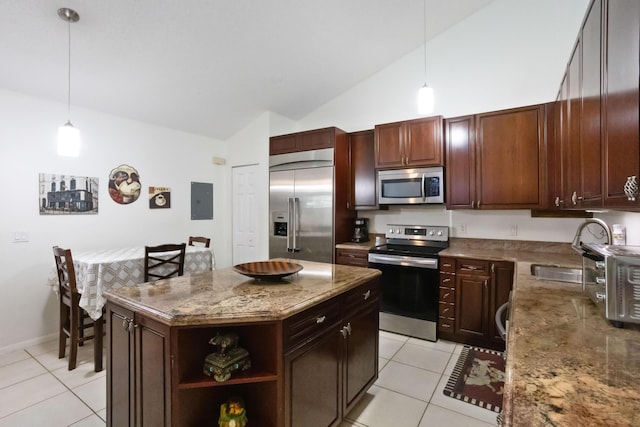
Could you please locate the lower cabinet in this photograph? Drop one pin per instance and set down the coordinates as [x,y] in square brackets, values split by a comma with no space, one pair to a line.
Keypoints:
[327,369]
[471,290]
[306,370]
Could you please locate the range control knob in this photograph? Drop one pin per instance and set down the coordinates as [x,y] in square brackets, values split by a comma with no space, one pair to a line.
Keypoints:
[440,233]
[398,231]
[391,231]
[432,233]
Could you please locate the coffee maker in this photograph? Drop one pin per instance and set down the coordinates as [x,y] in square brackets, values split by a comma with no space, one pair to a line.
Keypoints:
[360,230]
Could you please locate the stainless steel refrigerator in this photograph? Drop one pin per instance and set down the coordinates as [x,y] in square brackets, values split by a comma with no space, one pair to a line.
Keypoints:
[301,205]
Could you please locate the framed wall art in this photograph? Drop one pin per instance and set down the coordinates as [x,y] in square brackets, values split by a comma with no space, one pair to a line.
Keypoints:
[67,194]
[159,197]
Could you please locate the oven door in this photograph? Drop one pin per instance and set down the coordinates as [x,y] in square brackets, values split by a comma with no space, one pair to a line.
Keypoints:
[409,302]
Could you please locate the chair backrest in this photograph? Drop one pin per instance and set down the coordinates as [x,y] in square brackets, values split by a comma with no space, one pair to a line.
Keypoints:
[66,272]
[163,261]
[197,239]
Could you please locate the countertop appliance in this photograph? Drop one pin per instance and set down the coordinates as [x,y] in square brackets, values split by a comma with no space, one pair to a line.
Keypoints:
[301,205]
[411,186]
[410,278]
[611,279]
[360,230]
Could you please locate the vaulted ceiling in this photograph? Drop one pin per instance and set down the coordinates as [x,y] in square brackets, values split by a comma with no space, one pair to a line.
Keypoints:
[210,67]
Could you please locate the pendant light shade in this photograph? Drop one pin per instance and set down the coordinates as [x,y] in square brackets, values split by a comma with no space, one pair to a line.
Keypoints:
[425,100]
[68,136]
[425,93]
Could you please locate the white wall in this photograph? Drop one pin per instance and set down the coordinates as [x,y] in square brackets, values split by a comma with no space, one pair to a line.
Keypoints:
[511,53]
[162,156]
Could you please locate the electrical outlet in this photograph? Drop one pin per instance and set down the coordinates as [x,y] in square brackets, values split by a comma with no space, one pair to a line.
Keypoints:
[463,228]
[514,230]
[20,237]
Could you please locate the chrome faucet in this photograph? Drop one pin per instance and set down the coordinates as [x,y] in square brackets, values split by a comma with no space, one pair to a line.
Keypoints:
[576,240]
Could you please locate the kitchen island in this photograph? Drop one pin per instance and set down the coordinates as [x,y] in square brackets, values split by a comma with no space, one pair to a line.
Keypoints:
[312,339]
[566,365]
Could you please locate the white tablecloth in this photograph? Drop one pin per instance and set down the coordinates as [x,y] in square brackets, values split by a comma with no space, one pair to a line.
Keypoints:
[98,271]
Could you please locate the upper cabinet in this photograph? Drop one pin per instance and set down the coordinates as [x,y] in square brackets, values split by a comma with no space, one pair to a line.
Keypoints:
[497,160]
[303,141]
[597,151]
[412,143]
[621,161]
[363,173]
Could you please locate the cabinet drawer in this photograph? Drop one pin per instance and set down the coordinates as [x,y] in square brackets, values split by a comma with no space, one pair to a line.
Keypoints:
[447,265]
[447,281]
[361,297]
[472,266]
[446,310]
[306,325]
[445,324]
[356,257]
[447,295]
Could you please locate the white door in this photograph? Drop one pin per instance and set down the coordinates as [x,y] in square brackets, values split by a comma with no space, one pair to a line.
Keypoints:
[246,213]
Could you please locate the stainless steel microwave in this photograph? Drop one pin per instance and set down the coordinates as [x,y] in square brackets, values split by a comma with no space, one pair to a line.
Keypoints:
[411,186]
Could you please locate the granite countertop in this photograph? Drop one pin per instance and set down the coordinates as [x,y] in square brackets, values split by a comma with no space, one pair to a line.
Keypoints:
[566,365]
[224,296]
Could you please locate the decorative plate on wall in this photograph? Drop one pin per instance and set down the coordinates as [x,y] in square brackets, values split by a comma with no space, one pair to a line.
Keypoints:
[124,184]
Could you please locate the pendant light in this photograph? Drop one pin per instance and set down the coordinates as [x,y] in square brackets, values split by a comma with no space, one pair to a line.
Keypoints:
[68,136]
[425,94]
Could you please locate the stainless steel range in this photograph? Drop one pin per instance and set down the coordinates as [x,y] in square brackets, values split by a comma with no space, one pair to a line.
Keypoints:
[409,263]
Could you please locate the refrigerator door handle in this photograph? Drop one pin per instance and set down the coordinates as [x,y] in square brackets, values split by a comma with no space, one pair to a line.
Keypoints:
[296,220]
[290,227]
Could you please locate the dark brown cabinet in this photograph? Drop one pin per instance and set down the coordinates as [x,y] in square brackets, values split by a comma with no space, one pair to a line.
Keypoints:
[331,358]
[354,257]
[138,377]
[471,290]
[620,104]
[497,160]
[413,143]
[363,172]
[303,141]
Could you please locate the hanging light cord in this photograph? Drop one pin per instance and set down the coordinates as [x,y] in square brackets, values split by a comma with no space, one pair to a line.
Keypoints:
[424,15]
[69,72]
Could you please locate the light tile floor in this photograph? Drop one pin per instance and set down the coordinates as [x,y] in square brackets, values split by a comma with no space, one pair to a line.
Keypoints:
[37,389]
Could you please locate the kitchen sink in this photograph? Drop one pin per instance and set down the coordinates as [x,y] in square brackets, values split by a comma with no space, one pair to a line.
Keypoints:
[554,272]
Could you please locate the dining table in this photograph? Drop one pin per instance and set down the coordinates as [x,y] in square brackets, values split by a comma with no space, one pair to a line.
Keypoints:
[100,270]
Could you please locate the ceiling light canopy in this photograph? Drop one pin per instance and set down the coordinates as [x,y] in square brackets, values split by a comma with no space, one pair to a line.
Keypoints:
[68,135]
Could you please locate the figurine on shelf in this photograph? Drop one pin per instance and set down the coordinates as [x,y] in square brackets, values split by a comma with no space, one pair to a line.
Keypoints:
[227,359]
[232,413]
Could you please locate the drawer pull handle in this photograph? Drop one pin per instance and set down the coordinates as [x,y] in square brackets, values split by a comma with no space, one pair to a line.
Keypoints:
[367,294]
[446,265]
[446,280]
[445,296]
[445,310]
[351,255]
[321,319]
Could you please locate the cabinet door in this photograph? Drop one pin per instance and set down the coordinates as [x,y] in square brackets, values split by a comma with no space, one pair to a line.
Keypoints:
[120,368]
[423,145]
[472,297]
[461,163]
[571,151]
[501,284]
[361,360]
[313,382]
[621,146]
[590,135]
[316,139]
[363,172]
[153,373]
[283,144]
[511,158]
[389,145]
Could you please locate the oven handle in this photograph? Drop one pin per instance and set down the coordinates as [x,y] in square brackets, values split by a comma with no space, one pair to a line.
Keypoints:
[404,261]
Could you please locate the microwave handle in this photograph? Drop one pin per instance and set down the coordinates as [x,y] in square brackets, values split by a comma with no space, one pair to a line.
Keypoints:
[422,189]
[592,256]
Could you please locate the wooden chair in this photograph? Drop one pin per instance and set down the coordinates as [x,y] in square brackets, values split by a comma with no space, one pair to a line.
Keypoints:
[204,240]
[163,261]
[73,319]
